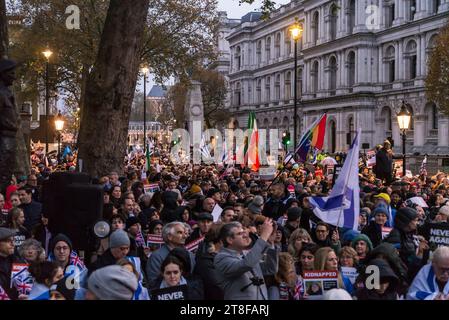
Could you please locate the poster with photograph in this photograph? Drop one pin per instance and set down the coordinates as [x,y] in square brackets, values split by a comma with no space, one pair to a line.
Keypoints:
[316,283]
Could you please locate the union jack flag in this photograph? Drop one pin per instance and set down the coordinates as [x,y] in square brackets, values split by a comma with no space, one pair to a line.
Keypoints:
[140,241]
[76,261]
[3,294]
[24,284]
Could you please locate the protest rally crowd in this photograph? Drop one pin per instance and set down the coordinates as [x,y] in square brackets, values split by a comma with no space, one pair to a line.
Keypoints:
[214,232]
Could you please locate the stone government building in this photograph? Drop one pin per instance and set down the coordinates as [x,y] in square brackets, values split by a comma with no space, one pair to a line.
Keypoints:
[356,72]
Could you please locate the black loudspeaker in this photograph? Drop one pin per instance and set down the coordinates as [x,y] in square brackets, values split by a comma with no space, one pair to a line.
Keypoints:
[72,206]
[365,145]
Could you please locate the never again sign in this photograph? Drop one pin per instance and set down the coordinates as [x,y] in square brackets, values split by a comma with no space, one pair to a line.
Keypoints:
[171,293]
[439,235]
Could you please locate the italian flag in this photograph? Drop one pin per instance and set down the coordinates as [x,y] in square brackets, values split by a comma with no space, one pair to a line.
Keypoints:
[252,148]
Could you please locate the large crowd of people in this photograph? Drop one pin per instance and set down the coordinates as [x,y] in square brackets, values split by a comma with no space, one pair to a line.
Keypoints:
[219,232]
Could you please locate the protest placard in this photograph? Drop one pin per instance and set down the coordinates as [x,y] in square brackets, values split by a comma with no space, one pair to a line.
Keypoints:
[193,246]
[419,201]
[17,270]
[217,212]
[155,241]
[350,273]
[438,235]
[316,283]
[151,188]
[268,173]
[385,232]
[171,293]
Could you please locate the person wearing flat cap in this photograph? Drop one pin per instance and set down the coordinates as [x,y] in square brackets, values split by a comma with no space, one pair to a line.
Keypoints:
[6,260]
[8,122]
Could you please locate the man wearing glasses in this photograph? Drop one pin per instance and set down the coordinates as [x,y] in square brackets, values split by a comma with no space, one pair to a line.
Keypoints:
[432,281]
[7,260]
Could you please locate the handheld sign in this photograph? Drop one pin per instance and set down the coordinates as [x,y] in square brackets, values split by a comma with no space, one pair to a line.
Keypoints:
[438,235]
[267,174]
[155,241]
[171,293]
[217,212]
[152,187]
[385,232]
[316,283]
[350,273]
[193,246]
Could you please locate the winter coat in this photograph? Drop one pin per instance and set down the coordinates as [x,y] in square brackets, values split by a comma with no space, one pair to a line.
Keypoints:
[385,272]
[274,208]
[205,269]
[170,201]
[32,212]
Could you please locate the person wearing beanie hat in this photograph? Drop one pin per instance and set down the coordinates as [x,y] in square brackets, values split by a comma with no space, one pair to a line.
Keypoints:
[111,283]
[60,291]
[60,250]
[119,245]
[293,220]
[388,289]
[362,245]
[256,205]
[403,237]
[375,229]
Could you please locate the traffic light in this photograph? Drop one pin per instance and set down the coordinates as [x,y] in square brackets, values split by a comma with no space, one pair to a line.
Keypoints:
[286,138]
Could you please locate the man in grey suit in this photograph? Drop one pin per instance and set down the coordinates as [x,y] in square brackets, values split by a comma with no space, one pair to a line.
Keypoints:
[241,276]
[174,236]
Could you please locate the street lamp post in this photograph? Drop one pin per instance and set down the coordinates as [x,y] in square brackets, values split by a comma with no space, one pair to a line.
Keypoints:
[47,54]
[59,126]
[404,118]
[296,32]
[145,72]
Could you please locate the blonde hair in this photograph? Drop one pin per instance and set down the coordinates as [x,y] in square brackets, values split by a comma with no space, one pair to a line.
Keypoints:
[298,233]
[320,262]
[350,252]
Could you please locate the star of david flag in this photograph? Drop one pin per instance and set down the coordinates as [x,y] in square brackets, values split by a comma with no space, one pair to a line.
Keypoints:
[342,207]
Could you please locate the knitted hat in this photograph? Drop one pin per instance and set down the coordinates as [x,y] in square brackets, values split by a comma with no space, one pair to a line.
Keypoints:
[60,237]
[195,189]
[380,209]
[404,216]
[362,237]
[112,283]
[256,205]
[349,235]
[294,214]
[131,221]
[118,238]
[444,210]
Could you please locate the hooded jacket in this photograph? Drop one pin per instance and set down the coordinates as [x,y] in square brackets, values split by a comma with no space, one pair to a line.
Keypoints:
[170,201]
[385,274]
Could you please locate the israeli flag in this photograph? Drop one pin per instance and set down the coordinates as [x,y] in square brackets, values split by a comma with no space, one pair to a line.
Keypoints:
[342,207]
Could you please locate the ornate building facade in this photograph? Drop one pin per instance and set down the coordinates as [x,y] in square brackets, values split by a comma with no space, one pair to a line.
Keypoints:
[357,61]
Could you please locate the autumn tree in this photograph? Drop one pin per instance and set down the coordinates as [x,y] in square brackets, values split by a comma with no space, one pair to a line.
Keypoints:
[437,81]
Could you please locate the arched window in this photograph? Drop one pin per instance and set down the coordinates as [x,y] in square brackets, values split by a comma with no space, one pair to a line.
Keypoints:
[431,111]
[285,123]
[267,89]
[390,64]
[332,75]
[238,58]
[288,85]
[277,88]
[288,43]
[430,46]
[351,17]
[259,90]
[351,69]
[268,49]
[266,124]
[411,58]
[386,113]
[390,14]
[350,129]
[314,77]
[277,45]
[315,27]
[259,52]
[333,17]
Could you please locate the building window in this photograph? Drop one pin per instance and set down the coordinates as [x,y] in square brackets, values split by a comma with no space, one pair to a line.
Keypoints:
[351,17]
[390,15]
[288,43]
[277,46]
[238,94]
[315,27]
[314,77]
[259,52]
[267,89]
[237,58]
[250,94]
[333,17]
[350,129]
[277,88]
[412,9]
[299,82]
[288,85]
[435,4]
[411,58]
[332,75]
[351,69]
[268,49]
[259,90]
[390,64]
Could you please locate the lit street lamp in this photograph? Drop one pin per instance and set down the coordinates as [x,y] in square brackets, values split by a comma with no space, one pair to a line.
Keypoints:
[59,126]
[296,32]
[404,118]
[145,71]
[47,54]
